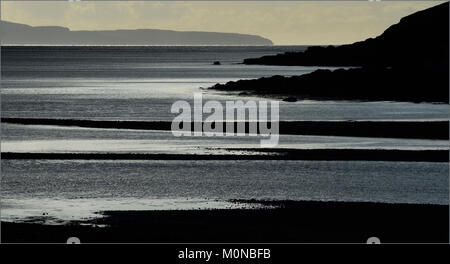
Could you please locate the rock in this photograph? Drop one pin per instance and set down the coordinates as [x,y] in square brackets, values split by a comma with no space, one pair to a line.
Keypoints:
[367,84]
[290,99]
[409,61]
[418,40]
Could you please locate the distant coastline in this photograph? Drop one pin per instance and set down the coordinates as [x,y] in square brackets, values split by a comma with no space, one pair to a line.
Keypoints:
[20,34]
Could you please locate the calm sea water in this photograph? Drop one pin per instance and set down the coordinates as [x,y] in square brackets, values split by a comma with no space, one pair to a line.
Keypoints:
[75,189]
[141,83]
[21,138]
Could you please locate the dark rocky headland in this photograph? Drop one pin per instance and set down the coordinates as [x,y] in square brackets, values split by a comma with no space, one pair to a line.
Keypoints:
[408,62]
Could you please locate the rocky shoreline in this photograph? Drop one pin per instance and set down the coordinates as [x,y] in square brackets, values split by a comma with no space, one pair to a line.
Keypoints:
[408,62]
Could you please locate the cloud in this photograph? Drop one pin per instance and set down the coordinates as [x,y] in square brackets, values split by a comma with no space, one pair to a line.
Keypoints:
[282,22]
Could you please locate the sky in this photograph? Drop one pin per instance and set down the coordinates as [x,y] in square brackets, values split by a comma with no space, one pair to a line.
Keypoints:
[285,23]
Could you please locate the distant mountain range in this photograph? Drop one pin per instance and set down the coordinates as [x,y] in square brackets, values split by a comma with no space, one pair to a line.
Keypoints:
[15,33]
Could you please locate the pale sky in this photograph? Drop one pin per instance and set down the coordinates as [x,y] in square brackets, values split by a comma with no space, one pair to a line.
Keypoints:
[285,23]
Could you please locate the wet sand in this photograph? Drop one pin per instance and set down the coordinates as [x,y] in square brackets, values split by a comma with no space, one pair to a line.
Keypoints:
[254,154]
[388,129]
[278,221]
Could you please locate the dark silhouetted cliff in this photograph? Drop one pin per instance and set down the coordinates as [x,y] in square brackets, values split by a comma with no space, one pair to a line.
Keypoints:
[352,84]
[408,62]
[420,39]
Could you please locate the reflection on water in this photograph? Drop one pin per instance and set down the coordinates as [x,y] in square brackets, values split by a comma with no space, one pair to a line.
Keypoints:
[202,145]
[141,83]
[391,182]
[59,211]
[26,138]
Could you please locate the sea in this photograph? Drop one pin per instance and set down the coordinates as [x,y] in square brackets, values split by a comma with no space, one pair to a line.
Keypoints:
[141,83]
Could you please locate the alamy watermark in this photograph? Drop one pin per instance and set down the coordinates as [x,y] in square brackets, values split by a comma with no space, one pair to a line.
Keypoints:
[236,118]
